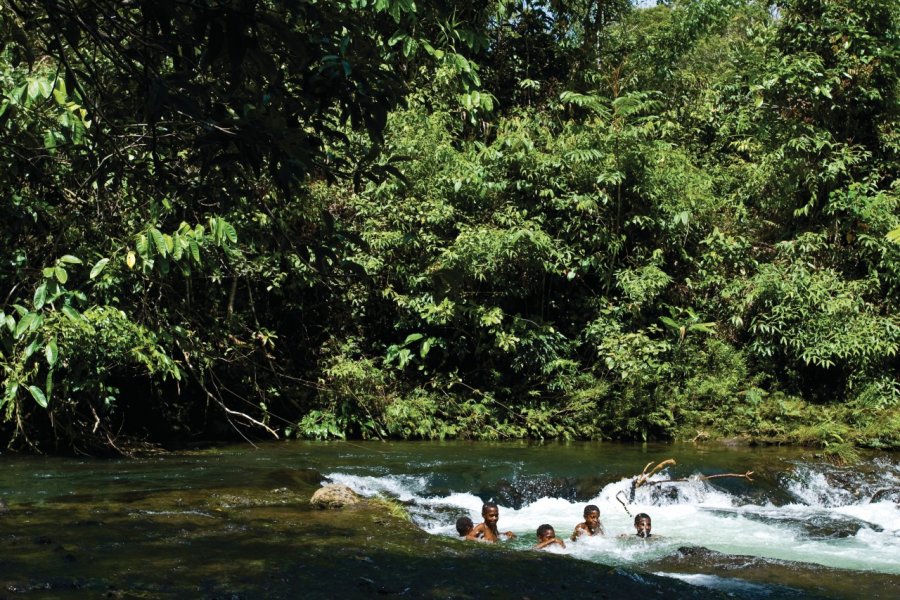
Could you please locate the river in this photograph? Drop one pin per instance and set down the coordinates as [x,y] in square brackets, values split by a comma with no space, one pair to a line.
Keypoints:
[169,525]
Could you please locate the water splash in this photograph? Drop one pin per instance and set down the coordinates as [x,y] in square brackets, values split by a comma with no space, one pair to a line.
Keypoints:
[830,519]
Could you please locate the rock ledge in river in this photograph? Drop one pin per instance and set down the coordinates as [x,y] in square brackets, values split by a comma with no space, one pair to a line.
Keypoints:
[334,495]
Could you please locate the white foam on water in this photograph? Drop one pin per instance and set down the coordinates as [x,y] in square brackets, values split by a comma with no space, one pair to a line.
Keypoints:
[715,582]
[857,534]
[402,487]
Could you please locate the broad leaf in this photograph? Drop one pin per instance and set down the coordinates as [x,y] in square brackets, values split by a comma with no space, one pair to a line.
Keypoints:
[40,296]
[51,352]
[38,395]
[24,323]
[98,268]
[159,241]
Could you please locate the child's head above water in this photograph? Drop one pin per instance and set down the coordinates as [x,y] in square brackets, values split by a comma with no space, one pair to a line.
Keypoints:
[490,512]
[642,525]
[592,516]
[545,532]
[464,525]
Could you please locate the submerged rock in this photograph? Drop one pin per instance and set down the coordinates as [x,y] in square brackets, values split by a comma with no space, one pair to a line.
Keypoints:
[335,495]
[882,495]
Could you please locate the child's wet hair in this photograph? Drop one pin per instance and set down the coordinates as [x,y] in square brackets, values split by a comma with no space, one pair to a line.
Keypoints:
[591,508]
[488,505]
[639,516]
[464,525]
[546,527]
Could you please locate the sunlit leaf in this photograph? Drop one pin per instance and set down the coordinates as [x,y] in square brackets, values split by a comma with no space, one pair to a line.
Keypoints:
[40,296]
[24,323]
[98,268]
[51,352]
[159,241]
[38,395]
[72,313]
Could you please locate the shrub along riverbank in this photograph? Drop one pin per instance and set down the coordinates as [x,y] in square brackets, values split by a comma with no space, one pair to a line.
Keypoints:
[379,219]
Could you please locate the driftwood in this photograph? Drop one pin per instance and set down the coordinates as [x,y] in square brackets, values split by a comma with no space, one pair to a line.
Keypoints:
[644,478]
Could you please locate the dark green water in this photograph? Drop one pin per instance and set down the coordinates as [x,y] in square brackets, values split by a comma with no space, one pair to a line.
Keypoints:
[234,522]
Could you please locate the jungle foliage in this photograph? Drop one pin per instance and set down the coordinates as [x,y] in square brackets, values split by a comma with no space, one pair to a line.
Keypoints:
[379,218]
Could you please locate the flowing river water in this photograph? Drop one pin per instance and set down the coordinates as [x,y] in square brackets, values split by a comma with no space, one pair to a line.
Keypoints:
[234,521]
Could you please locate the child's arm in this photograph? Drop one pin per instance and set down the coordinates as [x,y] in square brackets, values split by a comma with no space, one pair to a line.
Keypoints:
[546,543]
[578,531]
[510,535]
[476,533]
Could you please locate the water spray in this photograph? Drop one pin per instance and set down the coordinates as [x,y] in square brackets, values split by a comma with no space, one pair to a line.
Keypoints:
[644,478]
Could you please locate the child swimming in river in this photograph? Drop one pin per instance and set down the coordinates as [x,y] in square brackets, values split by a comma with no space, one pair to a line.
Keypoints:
[642,527]
[591,524]
[464,525]
[546,536]
[487,531]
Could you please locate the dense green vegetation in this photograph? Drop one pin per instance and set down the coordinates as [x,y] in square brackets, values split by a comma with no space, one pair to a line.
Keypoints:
[375,218]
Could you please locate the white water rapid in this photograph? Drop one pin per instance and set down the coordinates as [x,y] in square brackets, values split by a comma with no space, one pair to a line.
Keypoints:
[854,524]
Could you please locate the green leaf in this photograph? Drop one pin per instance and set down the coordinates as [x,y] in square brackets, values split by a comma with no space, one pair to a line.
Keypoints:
[195,251]
[59,93]
[72,260]
[159,241]
[893,235]
[179,244]
[143,247]
[40,296]
[10,394]
[49,141]
[98,268]
[33,89]
[671,323]
[45,86]
[51,352]
[48,272]
[61,275]
[230,232]
[72,313]
[24,323]
[170,243]
[413,337]
[36,322]
[38,395]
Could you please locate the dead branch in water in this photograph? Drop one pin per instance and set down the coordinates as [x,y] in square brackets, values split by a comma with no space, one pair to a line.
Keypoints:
[644,478]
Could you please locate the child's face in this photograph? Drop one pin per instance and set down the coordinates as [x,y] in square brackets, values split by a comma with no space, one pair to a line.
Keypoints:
[547,535]
[643,527]
[491,515]
[592,519]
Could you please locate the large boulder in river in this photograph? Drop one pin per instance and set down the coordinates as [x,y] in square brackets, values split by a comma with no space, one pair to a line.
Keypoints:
[334,495]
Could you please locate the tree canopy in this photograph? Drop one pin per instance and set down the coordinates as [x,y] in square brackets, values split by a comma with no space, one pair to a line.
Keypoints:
[381,218]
